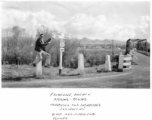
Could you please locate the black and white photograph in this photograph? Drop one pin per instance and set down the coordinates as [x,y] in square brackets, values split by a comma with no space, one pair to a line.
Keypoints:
[75,60]
[80,44]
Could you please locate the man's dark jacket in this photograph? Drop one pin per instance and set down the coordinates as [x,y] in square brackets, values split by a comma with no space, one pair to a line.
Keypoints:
[40,45]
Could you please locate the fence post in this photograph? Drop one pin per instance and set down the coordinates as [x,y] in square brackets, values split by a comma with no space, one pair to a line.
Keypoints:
[121,59]
[108,63]
[80,62]
[38,66]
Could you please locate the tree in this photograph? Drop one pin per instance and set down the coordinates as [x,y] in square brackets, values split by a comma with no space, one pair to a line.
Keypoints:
[15,45]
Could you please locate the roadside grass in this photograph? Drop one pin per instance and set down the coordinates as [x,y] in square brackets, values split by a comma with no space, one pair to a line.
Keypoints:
[102,52]
[143,52]
[27,73]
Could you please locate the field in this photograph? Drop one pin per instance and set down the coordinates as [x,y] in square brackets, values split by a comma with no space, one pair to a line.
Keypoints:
[104,51]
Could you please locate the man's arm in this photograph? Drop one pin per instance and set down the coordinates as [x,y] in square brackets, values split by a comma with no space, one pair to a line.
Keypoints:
[44,44]
[49,40]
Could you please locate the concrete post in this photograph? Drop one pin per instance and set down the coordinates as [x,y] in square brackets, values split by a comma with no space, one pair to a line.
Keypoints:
[81,62]
[38,67]
[121,59]
[108,63]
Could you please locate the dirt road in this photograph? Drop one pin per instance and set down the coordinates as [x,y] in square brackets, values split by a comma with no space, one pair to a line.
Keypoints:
[139,77]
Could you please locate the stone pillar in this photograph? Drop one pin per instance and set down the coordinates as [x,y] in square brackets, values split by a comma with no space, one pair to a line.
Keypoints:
[107,63]
[38,67]
[81,62]
[121,60]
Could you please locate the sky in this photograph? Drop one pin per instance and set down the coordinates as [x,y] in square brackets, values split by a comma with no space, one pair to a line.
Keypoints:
[94,20]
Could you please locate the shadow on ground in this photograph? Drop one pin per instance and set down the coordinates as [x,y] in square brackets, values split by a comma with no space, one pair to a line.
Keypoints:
[18,78]
[70,74]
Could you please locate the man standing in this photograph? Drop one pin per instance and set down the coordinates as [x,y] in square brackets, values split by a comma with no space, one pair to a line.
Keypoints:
[40,48]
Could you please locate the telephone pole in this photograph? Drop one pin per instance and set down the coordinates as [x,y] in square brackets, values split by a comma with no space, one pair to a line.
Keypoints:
[112,48]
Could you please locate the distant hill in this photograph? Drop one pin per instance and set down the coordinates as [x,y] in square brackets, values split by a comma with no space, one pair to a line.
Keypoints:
[85,41]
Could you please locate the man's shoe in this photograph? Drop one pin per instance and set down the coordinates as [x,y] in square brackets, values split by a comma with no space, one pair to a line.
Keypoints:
[47,66]
[34,64]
